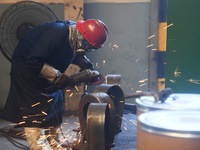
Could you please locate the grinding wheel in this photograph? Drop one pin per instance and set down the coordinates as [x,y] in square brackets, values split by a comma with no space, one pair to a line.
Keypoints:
[18,19]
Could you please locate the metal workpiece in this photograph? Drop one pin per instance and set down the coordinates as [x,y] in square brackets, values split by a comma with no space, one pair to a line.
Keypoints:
[99,97]
[97,129]
[114,79]
[117,95]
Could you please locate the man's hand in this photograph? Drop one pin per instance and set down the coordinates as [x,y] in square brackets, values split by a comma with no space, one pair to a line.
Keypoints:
[90,77]
[60,82]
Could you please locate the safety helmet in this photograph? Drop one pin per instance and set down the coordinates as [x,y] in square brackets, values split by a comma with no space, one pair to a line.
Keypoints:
[94,31]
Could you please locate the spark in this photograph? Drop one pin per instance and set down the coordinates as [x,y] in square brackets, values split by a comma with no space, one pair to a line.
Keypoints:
[194,81]
[71,95]
[35,121]
[146,71]
[44,113]
[66,123]
[150,45]
[86,87]
[151,36]
[154,49]
[133,121]
[104,61]
[47,129]
[143,84]
[76,123]
[138,91]
[173,81]
[35,115]
[168,26]
[144,80]
[97,65]
[113,46]
[76,88]
[23,122]
[21,133]
[177,72]
[109,105]
[43,137]
[50,100]
[35,104]
[125,128]
[68,90]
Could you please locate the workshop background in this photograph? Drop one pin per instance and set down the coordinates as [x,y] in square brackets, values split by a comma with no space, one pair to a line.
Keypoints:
[152,45]
[147,55]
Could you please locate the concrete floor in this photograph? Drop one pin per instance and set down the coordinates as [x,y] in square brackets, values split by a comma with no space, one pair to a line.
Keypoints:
[125,140]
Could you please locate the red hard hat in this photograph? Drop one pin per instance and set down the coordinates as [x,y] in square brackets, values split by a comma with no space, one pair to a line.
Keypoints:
[94,31]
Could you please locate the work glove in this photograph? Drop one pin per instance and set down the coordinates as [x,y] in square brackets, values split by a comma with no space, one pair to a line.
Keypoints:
[60,82]
[86,76]
[82,61]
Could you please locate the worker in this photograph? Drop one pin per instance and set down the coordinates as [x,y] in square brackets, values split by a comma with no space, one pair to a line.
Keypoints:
[39,62]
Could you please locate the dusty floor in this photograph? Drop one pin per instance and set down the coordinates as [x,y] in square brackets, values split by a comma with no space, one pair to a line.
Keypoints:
[125,140]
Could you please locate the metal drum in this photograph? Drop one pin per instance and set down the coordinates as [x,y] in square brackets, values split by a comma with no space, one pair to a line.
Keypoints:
[168,130]
[176,101]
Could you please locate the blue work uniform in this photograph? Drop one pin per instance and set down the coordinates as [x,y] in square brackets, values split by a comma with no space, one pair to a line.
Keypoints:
[29,104]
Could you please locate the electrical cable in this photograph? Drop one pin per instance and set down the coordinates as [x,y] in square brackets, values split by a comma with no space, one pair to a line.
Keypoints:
[14,142]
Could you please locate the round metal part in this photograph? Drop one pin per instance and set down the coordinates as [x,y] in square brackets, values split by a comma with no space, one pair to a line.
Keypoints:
[18,19]
[97,98]
[165,129]
[114,79]
[97,130]
[117,96]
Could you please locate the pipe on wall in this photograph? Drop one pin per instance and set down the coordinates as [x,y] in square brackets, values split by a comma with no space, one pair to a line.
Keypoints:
[162,42]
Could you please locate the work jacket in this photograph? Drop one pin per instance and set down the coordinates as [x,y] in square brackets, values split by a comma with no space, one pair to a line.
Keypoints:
[29,104]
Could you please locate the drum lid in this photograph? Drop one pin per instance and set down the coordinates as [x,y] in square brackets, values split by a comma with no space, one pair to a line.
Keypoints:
[176,101]
[185,124]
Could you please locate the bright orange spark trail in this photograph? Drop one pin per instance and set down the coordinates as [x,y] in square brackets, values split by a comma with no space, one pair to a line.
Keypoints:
[168,26]
[35,104]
